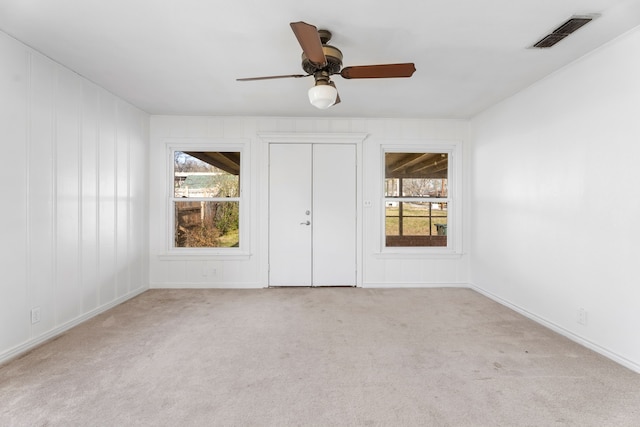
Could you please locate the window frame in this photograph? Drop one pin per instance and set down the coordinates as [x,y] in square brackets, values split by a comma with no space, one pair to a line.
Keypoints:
[241,249]
[453,149]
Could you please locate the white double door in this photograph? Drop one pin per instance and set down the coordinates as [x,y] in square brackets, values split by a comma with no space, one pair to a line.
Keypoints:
[312,215]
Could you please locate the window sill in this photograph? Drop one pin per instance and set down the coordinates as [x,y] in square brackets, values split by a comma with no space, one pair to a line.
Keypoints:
[204,256]
[413,253]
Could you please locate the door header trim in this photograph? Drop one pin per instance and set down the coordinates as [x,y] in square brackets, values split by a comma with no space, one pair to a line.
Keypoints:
[312,138]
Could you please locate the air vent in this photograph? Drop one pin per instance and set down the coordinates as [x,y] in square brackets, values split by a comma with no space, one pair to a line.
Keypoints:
[549,40]
[567,28]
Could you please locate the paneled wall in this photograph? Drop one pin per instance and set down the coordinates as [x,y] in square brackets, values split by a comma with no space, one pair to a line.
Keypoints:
[250,269]
[555,201]
[74,211]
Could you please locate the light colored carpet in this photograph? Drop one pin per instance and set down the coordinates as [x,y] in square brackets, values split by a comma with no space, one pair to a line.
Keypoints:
[315,357]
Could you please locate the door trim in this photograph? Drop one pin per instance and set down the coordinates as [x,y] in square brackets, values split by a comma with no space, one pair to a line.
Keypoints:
[267,138]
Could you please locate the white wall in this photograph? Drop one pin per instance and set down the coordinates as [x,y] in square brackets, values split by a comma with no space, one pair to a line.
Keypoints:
[250,270]
[555,206]
[74,216]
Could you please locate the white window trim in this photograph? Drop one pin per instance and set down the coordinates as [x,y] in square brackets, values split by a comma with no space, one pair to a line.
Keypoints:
[242,251]
[454,200]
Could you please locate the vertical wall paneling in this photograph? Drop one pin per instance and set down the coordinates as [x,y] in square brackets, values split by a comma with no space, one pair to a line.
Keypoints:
[89,184]
[139,220]
[27,182]
[13,125]
[107,200]
[66,165]
[75,193]
[122,196]
[40,190]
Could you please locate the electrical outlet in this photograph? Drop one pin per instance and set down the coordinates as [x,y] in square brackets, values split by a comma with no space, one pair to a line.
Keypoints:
[582,316]
[35,315]
[209,271]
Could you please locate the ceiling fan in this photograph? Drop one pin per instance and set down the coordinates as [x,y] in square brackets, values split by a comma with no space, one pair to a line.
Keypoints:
[321,61]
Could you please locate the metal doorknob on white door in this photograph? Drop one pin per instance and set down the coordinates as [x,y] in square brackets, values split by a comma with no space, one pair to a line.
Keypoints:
[306,223]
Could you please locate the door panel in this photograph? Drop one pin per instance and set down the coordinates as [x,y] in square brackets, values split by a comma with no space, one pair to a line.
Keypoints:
[289,200]
[334,213]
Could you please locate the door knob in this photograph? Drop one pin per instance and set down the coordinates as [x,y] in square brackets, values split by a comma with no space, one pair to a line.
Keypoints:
[306,223]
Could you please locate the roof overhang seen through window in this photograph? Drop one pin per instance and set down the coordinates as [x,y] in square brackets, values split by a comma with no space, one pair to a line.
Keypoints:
[227,161]
[416,165]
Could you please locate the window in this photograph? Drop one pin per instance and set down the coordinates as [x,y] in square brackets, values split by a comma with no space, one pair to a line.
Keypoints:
[206,199]
[416,199]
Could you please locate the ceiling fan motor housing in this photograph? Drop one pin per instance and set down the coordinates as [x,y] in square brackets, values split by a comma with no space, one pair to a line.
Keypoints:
[334,61]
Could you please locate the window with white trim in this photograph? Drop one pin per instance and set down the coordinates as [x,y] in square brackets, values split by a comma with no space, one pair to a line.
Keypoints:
[206,199]
[416,198]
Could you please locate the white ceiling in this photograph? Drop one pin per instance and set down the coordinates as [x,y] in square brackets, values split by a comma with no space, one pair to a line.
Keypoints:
[183,56]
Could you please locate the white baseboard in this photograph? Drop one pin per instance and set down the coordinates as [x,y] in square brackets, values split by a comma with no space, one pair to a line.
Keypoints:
[562,331]
[400,285]
[41,339]
[257,285]
[205,285]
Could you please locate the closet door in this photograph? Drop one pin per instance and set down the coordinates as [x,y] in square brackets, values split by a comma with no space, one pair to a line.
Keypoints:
[312,215]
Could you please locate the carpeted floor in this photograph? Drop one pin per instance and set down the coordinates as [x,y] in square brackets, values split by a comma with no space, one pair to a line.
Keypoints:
[315,357]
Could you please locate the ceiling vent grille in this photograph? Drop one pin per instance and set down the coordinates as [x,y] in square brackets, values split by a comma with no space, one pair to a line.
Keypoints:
[565,29]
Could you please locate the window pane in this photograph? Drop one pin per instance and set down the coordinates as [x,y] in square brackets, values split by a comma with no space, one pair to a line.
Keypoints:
[416,174]
[412,226]
[206,224]
[416,224]
[391,187]
[392,220]
[206,174]
[424,187]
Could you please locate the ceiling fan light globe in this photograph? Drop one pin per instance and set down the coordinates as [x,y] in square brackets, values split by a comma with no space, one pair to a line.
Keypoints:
[322,96]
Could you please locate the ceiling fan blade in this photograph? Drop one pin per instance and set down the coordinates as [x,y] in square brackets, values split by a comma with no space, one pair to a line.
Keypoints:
[378,71]
[337,94]
[297,76]
[309,40]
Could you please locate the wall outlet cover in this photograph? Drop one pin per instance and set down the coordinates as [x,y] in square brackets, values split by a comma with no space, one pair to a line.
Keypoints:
[35,315]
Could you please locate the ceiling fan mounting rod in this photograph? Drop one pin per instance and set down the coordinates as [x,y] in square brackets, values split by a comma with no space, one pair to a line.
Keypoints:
[325,36]
[322,77]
